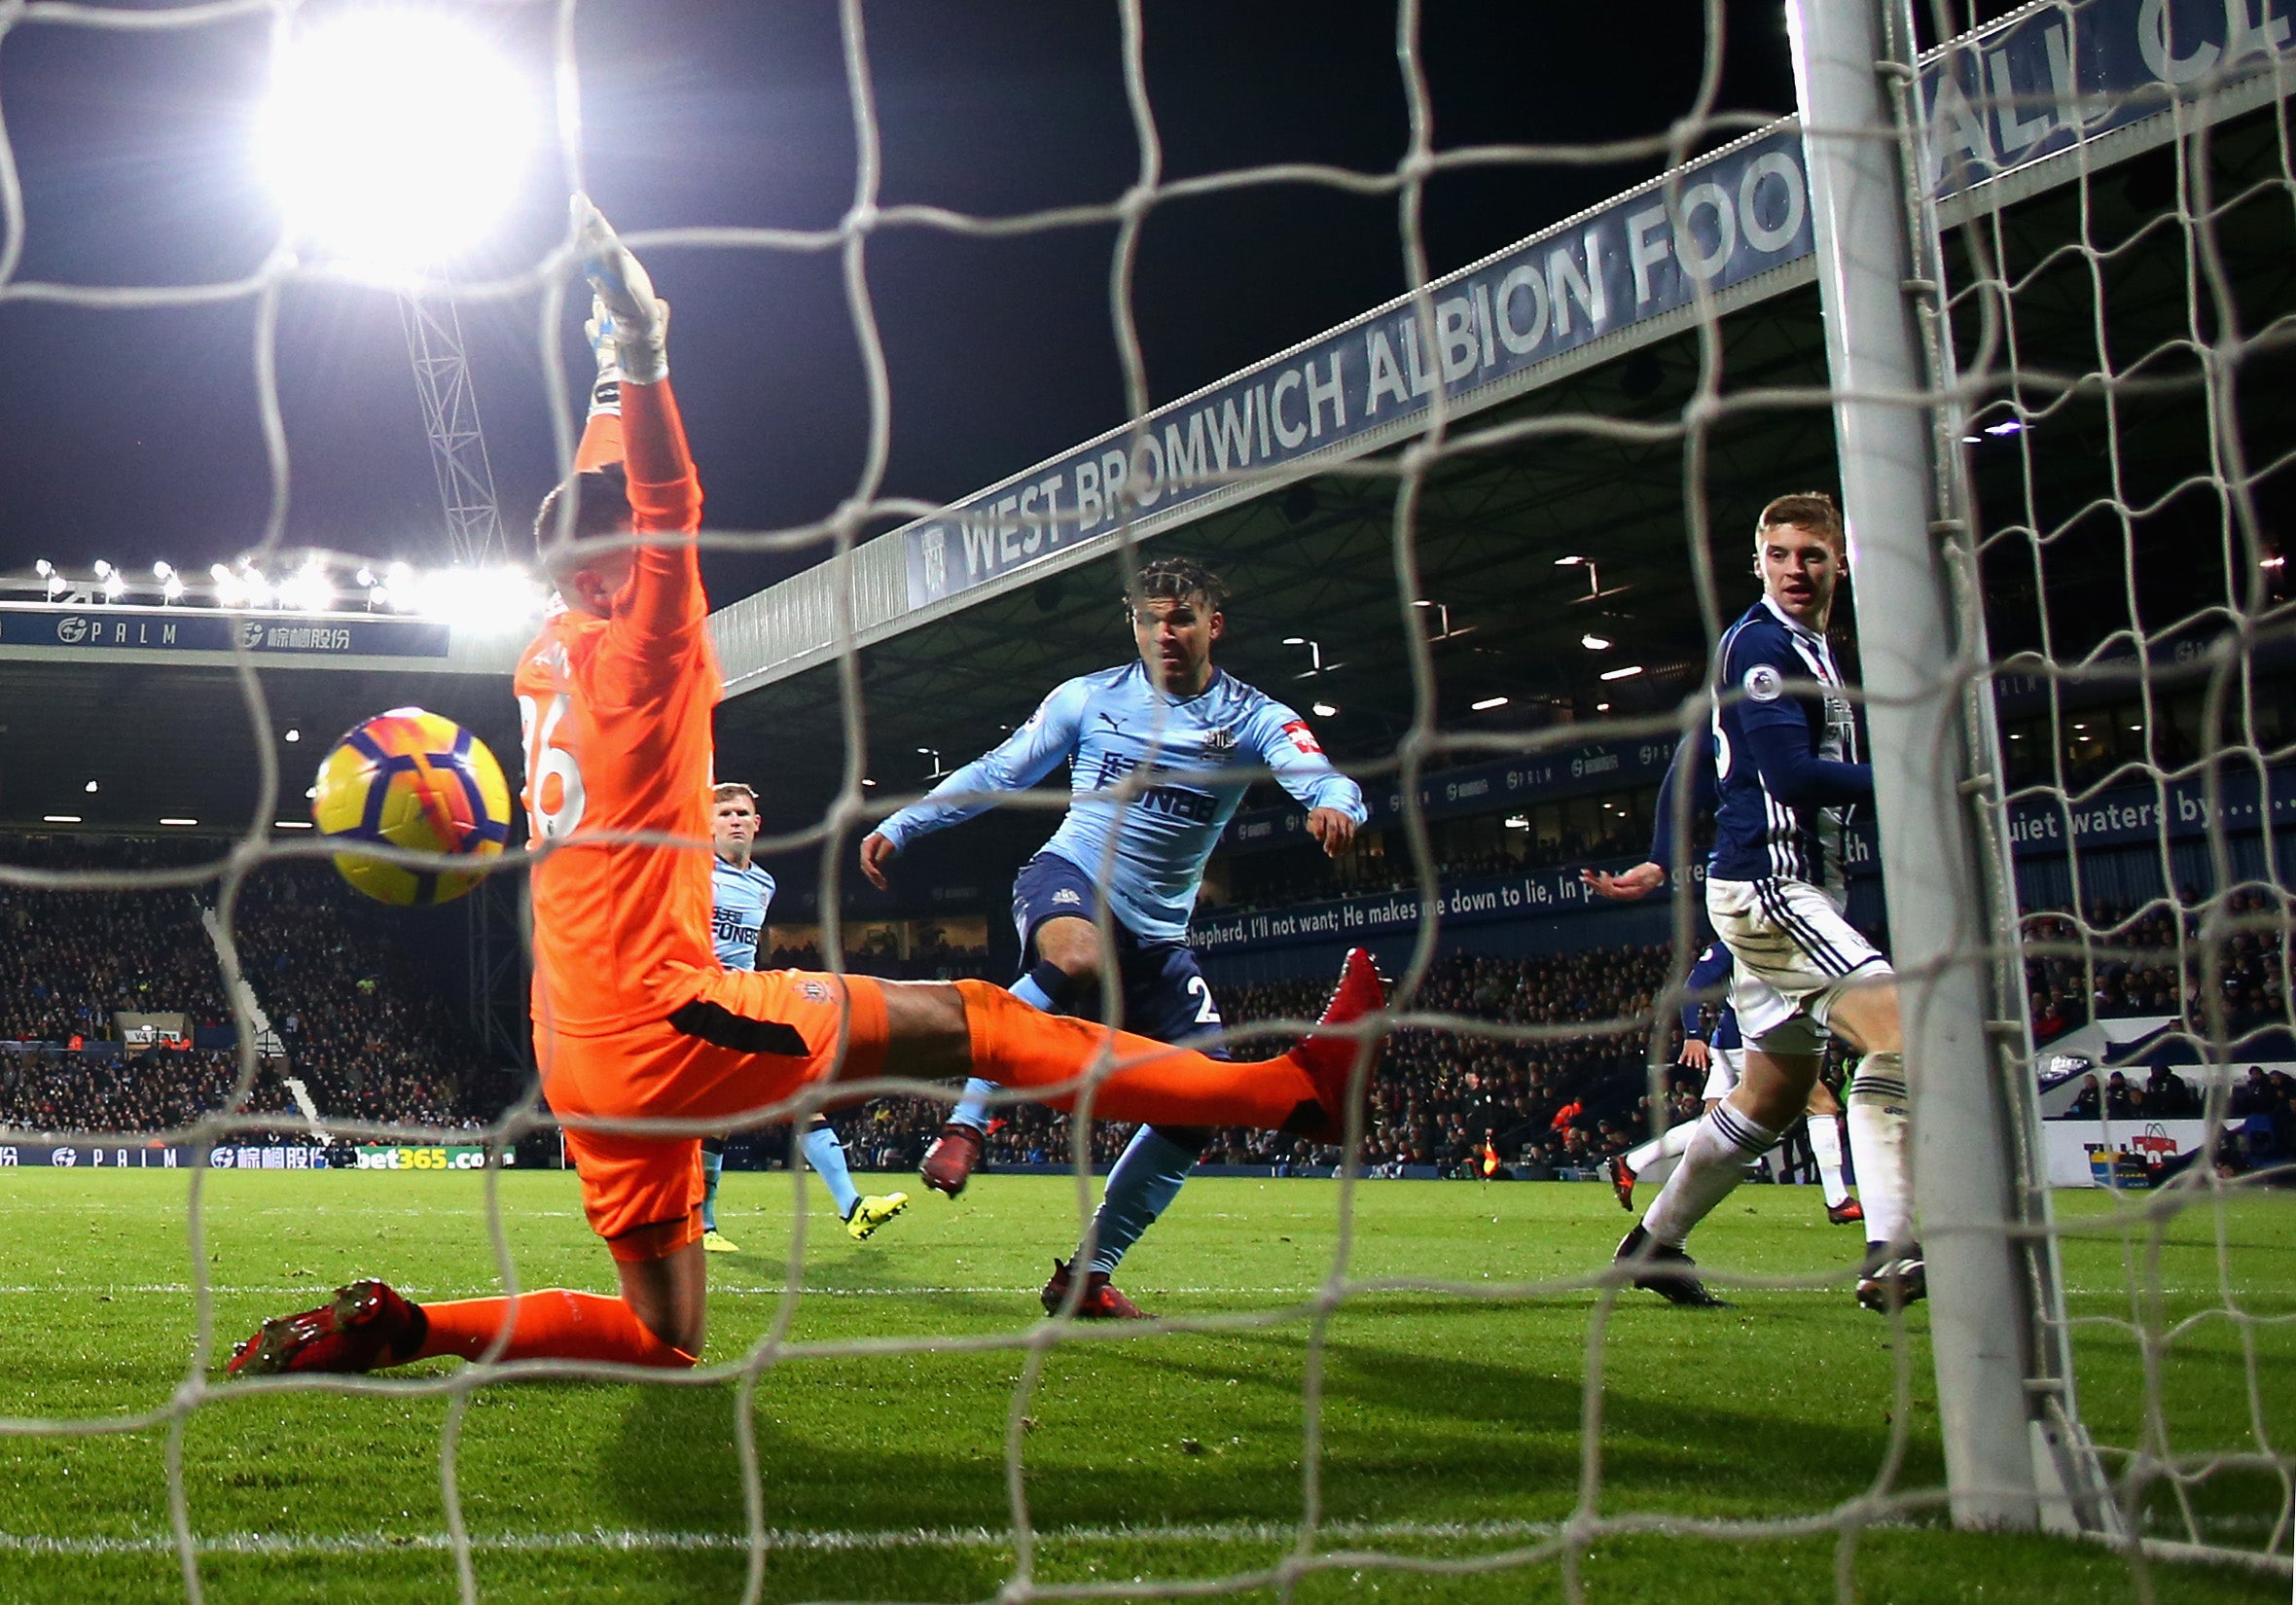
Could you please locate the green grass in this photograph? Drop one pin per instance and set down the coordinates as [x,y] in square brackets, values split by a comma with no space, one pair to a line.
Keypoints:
[1451,1423]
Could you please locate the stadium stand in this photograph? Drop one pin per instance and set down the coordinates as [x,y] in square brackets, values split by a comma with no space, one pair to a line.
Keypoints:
[358,1020]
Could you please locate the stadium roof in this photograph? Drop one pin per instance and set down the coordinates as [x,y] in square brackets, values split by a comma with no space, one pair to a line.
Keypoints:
[1308,550]
[1308,547]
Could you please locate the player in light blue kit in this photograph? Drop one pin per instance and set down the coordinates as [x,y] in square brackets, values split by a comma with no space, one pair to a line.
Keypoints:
[740,894]
[1142,853]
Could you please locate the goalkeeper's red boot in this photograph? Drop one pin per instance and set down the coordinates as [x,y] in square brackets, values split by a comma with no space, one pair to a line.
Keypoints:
[948,1163]
[365,1326]
[1330,1060]
[1102,1300]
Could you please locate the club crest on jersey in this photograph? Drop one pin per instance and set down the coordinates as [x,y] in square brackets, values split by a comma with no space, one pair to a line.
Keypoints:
[1218,740]
[1764,684]
[1303,738]
[1067,895]
[814,991]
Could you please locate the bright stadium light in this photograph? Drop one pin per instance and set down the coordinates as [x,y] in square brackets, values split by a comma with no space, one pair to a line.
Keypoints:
[90,787]
[295,735]
[179,820]
[395,136]
[1324,710]
[1488,703]
[230,591]
[43,569]
[1627,673]
[481,600]
[1594,643]
[60,818]
[308,589]
[291,824]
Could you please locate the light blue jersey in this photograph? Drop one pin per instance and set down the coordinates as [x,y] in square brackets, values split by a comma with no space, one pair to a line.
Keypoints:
[741,899]
[1109,724]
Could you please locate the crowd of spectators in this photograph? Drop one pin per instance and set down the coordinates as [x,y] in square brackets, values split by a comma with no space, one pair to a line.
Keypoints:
[1277,880]
[2132,963]
[354,1018]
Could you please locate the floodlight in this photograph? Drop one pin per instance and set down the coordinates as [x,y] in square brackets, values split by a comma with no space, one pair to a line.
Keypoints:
[91,786]
[103,570]
[1627,673]
[1324,710]
[1594,643]
[171,588]
[1488,703]
[310,591]
[479,600]
[258,588]
[295,735]
[162,571]
[43,569]
[115,585]
[395,136]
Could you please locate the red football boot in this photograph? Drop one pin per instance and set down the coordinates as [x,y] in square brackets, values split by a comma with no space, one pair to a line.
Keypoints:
[1847,1212]
[948,1163]
[1102,1300]
[1330,1060]
[1622,1181]
[365,1326]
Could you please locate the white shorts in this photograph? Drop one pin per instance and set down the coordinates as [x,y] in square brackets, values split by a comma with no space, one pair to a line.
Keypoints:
[1724,1065]
[1794,956]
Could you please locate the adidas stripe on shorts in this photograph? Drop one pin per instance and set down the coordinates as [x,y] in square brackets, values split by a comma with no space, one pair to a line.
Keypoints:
[1794,952]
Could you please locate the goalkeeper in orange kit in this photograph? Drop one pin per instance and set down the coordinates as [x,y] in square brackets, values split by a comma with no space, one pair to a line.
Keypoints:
[634,1019]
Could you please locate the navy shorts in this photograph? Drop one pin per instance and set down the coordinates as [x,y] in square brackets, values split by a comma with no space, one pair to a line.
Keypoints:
[1164,993]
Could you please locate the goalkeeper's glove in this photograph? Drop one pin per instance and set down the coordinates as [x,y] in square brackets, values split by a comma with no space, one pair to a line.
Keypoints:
[637,321]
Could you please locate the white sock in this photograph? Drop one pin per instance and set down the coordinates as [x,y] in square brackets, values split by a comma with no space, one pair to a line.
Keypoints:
[1713,1163]
[1669,1146]
[1825,1143]
[1878,1105]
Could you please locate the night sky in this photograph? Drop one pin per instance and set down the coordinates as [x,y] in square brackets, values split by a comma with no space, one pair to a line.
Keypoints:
[132,435]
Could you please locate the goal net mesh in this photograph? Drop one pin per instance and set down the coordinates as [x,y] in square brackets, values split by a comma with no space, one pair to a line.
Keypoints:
[2115,183]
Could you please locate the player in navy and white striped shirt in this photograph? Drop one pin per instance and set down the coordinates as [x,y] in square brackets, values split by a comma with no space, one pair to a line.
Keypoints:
[742,896]
[1782,760]
[1711,1042]
[1145,745]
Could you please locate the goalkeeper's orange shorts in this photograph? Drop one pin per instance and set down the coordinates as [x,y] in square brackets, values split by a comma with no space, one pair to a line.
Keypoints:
[745,1041]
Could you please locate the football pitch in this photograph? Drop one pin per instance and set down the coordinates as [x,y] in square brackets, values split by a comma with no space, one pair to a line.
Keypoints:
[1450,1424]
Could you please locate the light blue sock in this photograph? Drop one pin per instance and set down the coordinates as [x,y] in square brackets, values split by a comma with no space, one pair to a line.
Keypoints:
[1146,1180]
[711,1165]
[1033,995]
[973,1108]
[827,1155]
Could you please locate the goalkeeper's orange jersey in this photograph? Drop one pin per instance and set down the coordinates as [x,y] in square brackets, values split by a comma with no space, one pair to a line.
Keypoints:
[617,719]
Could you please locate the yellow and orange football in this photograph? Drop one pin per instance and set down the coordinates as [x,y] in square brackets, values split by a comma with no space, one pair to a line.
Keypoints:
[417,780]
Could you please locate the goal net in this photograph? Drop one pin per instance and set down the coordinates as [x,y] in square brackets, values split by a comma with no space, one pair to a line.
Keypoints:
[2018,285]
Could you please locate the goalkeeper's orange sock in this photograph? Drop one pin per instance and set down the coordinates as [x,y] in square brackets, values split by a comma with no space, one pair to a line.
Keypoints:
[1017,1045]
[554,1324]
